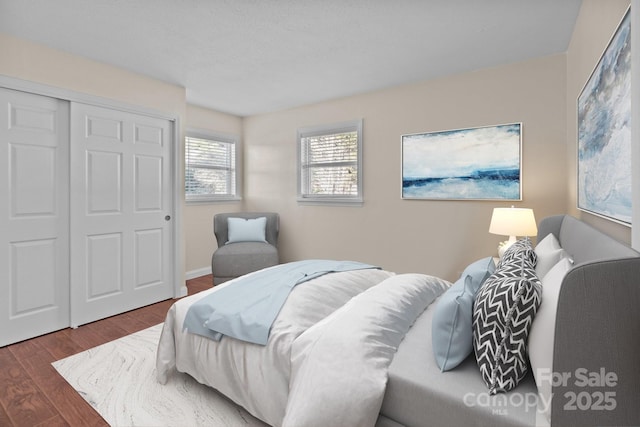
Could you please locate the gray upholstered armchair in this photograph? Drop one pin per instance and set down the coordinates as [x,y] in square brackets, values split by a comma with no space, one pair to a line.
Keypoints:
[234,259]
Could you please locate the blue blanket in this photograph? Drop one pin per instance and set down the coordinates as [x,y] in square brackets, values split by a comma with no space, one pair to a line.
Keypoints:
[246,308]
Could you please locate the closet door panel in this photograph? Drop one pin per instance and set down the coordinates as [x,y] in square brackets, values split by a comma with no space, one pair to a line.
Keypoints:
[33,289]
[121,206]
[34,218]
[104,267]
[104,182]
[33,180]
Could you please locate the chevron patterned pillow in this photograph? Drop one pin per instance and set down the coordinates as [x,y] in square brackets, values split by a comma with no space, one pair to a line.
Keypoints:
[503,312]
[521,249]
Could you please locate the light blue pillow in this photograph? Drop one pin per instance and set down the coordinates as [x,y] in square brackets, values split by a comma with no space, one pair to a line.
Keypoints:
[452,330]
[246,230]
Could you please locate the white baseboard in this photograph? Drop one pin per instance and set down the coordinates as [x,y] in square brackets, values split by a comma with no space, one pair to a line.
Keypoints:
[197,273]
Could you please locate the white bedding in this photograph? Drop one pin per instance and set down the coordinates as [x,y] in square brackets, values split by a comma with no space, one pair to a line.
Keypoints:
[259,377]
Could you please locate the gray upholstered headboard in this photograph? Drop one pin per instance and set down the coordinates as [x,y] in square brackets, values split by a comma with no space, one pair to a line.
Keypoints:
[597,328]
[583,242]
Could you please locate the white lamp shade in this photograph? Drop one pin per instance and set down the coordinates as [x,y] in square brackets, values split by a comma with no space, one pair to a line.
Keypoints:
[513,222]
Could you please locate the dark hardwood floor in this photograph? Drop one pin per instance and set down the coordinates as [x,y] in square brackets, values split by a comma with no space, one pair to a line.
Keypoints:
[31,391]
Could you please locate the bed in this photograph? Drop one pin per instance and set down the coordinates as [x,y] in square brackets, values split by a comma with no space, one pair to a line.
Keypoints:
[355,348]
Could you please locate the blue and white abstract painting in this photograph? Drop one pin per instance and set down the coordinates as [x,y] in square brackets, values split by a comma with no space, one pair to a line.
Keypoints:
[604,132]
[466,164]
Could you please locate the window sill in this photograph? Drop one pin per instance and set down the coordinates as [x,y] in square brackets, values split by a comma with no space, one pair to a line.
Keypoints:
[212,200]
[331,202]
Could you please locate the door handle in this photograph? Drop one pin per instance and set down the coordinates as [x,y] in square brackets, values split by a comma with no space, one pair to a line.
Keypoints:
[167,218]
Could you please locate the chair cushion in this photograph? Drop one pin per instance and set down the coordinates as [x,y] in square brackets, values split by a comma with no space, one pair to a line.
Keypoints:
[246,229]
[236,259]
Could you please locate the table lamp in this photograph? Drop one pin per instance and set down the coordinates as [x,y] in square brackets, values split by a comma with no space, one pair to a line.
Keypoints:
[512,222]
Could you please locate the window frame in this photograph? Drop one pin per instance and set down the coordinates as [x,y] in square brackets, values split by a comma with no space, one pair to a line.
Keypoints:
[330,129]
[216,137]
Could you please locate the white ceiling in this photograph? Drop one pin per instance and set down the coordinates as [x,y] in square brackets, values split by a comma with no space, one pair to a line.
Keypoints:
[247,57]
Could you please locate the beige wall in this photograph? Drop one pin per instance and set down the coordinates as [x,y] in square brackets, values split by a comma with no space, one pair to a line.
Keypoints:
[37,63]
[198,217]
[434,237]
[594,28]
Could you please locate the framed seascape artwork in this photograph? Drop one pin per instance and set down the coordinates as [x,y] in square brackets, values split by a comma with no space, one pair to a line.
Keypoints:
[604,132]
[482,163]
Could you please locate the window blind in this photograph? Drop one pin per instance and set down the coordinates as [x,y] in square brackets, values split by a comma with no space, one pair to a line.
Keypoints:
[210,170]
[329,164]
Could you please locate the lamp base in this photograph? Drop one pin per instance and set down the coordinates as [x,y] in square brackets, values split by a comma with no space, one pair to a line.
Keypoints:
[503,246]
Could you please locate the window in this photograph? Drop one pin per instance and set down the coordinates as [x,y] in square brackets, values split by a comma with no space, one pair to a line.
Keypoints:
[330,163]
[210,167]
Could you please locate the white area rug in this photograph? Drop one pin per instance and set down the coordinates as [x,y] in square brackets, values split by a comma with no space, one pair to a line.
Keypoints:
[118,379]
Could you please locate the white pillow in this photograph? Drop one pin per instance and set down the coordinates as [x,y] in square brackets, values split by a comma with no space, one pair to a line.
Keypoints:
[542,334]
[548,253]
[246,230]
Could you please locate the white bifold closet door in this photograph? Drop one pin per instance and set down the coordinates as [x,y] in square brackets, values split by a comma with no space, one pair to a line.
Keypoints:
[34,215]
[121,206]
